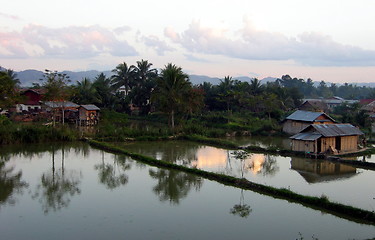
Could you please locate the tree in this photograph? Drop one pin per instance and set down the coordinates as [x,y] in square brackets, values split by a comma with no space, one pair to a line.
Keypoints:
[85,92]
[123,77]
[8,93]
[104,91]
[57,88]
[171,88]
[145,81]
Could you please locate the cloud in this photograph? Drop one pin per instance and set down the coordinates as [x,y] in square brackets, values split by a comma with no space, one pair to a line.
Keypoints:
[193,58]
[252,44]
[158,45]
[67,42]
[12,17]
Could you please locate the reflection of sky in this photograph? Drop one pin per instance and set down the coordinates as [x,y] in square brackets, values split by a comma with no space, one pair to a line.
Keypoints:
[132,210]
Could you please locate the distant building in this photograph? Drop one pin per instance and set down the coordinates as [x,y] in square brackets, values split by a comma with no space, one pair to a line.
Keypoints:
[299,120]
[88,115]
[31,101]
[313,105]
[323,138]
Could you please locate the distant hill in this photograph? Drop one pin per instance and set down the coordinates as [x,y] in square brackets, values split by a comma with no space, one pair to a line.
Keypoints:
[28,77]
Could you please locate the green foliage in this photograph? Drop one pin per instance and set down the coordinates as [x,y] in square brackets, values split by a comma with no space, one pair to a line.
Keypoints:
[8,93]
[21,133]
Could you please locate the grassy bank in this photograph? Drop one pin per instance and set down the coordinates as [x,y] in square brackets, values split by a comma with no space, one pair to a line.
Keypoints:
[319,203]
[35,133]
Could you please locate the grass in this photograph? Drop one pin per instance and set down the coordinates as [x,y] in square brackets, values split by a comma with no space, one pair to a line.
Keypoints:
[320,203]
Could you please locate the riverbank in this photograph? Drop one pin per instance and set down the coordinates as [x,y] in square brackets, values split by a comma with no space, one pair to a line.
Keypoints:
[319,203]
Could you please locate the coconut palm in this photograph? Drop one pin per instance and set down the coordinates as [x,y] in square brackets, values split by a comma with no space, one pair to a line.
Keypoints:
[123,77]
[171,89]
[145,81]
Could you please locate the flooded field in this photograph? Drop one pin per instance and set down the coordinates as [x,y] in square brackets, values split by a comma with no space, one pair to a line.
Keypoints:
[72,191]
[339,182]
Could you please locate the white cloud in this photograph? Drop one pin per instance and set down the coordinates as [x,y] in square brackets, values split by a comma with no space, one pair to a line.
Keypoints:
[252,44]
[68,42]
[158,45]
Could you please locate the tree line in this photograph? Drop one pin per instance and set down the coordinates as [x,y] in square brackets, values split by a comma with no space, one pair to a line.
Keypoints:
[144,89]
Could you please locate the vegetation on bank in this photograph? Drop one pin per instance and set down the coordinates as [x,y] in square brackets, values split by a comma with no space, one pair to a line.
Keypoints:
[320,203]
[14,133]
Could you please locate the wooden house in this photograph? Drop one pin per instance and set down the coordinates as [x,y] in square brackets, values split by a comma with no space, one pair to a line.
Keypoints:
[31,100]
[314,105]
[300,119]
[88,115]
[61,110]
[327,138]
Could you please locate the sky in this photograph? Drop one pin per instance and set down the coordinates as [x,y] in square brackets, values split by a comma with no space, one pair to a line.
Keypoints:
[332,40]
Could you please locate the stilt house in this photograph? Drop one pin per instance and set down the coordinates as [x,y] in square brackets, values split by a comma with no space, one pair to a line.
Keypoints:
[323,138]
[88,115]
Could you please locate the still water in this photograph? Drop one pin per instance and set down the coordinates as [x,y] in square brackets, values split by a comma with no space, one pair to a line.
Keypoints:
[72,191]
[339,182]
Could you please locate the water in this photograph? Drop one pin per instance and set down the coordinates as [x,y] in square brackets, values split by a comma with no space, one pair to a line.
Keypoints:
[339,182]
[72,191]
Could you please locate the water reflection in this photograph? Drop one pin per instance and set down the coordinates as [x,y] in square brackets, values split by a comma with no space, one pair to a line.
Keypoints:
[314,171]
[241,209]
[57,186]
[10,184]
[112,174]
[174,185]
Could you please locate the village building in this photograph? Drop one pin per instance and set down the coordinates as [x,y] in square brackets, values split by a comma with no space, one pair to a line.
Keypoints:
[61,111]
[88,115]
[31,100]
[313,105]
[327,138]
[300,119]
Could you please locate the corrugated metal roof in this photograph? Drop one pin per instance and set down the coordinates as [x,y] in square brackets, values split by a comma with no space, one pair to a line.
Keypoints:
[306,116]
[306,136]
[90,107]
[333,130]
[61,104]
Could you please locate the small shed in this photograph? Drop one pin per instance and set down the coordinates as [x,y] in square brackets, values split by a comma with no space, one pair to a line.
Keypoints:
[323,138]
[88,115]
[300,119]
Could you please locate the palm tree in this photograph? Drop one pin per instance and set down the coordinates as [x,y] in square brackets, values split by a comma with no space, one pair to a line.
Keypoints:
[145,81]
[85,92]
[143,71]
[123,76]
[171,88]
[102,85]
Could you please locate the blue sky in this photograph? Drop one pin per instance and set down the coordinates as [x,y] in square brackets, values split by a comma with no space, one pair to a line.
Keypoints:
[324,40]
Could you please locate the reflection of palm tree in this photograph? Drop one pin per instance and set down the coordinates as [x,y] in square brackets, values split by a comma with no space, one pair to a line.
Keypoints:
[174,185]
[110,175]
[57,186]
[243,210]
[9,184]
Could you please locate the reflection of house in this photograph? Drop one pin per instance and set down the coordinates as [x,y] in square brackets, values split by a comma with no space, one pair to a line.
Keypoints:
[31,100]
[314,171]
[88,114]
[322,138]
[299,120]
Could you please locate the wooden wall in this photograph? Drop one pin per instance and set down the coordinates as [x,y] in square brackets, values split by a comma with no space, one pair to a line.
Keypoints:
[303,146]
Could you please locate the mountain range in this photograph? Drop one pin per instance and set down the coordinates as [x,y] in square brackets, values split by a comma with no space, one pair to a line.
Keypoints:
[28,77]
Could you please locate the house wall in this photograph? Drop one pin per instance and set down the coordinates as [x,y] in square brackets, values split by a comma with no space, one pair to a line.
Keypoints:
[349,143]
[293,127]
[325,143]
[303,146]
